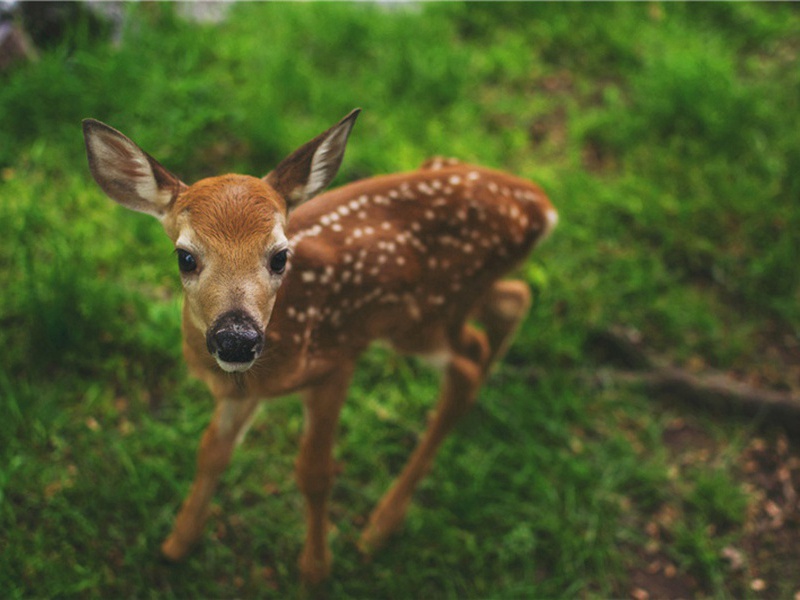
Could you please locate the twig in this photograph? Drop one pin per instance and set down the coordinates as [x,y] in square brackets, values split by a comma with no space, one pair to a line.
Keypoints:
[711,389]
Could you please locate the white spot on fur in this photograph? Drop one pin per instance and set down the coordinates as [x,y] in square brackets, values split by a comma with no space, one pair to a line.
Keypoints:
[424,188]
[438,360]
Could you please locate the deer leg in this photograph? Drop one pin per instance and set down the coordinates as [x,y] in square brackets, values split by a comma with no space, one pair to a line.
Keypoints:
[462,380]
[501,313]
[315,469]
[227,428]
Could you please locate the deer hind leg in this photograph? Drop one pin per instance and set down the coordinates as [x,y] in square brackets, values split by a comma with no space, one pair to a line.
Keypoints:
[315,469]
[228,427]
[459,390]
[501,313]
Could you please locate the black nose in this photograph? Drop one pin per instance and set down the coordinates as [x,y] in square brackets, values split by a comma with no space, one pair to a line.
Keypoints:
[234,338]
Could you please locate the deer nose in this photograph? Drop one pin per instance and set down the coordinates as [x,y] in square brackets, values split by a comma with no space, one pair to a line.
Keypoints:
[235,338]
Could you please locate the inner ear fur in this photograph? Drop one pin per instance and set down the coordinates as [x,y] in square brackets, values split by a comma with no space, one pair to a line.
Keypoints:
[126,173]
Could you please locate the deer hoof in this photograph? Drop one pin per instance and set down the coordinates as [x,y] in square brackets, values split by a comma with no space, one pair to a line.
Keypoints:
[174,550]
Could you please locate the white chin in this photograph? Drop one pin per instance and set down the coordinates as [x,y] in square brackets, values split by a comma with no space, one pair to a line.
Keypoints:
[230,367]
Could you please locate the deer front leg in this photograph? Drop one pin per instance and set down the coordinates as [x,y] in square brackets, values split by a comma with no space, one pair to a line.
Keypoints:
[227,428]
[315,469]
[459,391]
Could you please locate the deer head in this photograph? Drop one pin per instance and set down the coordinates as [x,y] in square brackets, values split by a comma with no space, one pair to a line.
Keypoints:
[228,231]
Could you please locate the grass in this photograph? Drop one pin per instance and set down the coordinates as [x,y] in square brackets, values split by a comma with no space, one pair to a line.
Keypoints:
[666,136]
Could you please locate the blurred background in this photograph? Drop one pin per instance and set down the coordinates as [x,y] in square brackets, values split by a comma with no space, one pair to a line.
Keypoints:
[665,133]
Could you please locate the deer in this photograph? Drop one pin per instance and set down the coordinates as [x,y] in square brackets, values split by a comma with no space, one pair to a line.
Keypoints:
[281,294]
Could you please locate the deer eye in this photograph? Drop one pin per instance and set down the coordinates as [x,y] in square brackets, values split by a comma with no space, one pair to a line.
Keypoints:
[277,264]
[186,262]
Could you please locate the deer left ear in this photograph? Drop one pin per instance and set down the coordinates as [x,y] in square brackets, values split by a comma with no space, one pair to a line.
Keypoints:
[309,169]
[126,173]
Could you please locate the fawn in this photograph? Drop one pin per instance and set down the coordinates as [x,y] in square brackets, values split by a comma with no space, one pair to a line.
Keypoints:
[282,295]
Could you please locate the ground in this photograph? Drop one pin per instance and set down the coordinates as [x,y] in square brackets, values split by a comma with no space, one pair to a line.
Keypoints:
[763,562]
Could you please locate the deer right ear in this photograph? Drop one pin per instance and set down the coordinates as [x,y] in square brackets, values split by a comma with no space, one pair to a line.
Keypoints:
[126,173]
[309,169]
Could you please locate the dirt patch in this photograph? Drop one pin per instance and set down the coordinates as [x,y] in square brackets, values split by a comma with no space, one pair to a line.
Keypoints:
[771,470]
[688,442]
[763,560]
[660,578]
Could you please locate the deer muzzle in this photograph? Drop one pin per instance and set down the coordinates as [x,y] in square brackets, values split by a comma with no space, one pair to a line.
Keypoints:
[235,341]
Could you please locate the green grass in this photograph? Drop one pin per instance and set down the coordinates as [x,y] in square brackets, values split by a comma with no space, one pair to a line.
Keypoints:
[666,135]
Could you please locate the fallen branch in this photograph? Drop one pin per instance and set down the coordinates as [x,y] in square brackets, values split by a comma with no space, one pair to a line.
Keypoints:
[711,389]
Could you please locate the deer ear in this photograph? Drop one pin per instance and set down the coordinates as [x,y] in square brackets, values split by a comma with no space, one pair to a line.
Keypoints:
[126,173]
[309,169]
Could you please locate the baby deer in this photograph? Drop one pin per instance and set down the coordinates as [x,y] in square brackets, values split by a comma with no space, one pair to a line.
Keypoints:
[283,295]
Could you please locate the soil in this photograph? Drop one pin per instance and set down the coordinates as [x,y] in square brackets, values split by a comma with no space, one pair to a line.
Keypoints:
[764,562]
